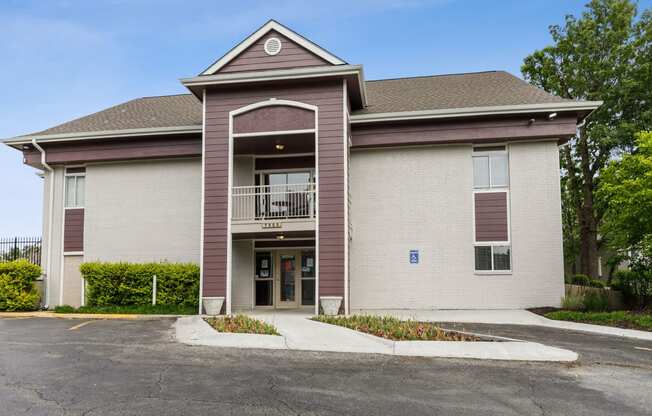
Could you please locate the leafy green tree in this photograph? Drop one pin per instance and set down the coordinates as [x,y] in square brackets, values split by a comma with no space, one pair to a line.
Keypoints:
[606,54]
[626,186]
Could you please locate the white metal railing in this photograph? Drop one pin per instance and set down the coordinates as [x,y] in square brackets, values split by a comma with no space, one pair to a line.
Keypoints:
[264,202]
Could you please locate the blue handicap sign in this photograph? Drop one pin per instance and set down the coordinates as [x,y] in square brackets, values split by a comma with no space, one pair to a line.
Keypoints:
[414,256]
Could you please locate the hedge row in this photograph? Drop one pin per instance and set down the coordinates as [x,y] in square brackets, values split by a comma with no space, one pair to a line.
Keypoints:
[636,286]
[584,280]
[17,289]
[123,284]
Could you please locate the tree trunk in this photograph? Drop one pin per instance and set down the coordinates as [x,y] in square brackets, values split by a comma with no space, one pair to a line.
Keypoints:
[586,213]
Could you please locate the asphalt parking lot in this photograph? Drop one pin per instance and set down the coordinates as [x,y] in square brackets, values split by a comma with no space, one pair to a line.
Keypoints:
[71,367]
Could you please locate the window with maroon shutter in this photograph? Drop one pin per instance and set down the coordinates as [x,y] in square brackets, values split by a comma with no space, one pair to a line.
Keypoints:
[492,246]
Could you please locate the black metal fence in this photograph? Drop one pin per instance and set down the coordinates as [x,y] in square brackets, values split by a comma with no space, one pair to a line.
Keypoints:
[14,248]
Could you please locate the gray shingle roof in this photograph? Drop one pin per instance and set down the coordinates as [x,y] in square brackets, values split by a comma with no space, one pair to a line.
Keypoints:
[392,95]
[439,92]
[147,112]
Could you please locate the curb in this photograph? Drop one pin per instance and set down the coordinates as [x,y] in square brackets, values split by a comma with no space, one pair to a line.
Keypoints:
[96,316]
[193,330]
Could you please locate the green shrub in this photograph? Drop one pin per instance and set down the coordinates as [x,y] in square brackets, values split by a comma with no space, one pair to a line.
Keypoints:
[17,289]
[595,302]
[568,279]
[573,302]
[597,283]
[64,309]
[581,280]
[636,286]
[122,284]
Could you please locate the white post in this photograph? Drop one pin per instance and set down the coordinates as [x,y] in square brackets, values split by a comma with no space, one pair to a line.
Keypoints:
[154,290]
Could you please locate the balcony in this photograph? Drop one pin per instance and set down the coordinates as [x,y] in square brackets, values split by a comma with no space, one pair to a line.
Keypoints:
[286,207]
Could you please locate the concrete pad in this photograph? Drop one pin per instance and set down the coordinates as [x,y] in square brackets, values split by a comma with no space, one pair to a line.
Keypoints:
[597,329]
[508,317]
[194,330]
[299,332]
[493,316]
[302,333]
[510,350]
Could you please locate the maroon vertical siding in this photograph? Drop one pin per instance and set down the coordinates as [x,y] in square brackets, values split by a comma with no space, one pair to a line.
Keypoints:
[73,230]
[465,131]
[296,162]
[491,216]
[328,97]
[254,58]
[146,147]
[274,118]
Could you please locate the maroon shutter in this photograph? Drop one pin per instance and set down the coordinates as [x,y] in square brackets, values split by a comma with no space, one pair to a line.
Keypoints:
[73,230]
[491,216]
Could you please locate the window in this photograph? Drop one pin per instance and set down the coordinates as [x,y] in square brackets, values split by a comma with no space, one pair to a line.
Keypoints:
[75,184]
[490,167]
[489,258]
[308,278]
[264,279]
[492,248]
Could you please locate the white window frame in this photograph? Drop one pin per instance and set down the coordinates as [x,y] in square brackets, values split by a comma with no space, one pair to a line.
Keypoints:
[492,245]
[65,190]
[478,152]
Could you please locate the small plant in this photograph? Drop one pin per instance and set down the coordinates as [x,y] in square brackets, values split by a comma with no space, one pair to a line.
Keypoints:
[241,324]
[595,302]
[573,302]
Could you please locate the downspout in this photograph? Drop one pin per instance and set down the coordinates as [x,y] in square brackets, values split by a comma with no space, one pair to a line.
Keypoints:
[50,220]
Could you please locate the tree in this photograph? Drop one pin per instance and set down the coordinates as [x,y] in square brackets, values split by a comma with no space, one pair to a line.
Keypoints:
[606,54]
[626,186]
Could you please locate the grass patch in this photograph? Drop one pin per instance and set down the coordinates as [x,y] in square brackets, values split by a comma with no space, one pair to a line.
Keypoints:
[132,309]
[241,324]
[619,319]
[395,329]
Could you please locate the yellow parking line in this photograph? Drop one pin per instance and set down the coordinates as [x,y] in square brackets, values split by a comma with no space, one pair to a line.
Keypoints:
[79,325]
[643,348]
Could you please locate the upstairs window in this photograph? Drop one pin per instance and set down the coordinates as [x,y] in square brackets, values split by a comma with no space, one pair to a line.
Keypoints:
[490,167]
[75,184]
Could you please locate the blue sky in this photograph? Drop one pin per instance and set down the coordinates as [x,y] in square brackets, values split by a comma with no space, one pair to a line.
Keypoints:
[64,59]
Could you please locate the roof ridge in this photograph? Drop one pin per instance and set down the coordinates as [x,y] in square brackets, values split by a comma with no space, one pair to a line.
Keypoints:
[160,95]
[439,75]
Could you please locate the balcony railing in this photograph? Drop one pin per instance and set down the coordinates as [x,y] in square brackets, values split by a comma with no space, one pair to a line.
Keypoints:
[265,202]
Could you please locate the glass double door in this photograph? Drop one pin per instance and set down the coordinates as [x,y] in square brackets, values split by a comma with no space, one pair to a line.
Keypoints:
[285,278]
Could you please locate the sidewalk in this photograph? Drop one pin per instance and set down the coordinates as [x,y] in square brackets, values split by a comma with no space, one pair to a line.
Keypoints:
[298,332]
[98,316]
[508,317]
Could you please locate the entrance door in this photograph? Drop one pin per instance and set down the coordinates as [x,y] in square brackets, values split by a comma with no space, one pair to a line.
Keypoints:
[288,272]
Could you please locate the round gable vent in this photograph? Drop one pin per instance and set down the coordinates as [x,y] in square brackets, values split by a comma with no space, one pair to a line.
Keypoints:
[272,46]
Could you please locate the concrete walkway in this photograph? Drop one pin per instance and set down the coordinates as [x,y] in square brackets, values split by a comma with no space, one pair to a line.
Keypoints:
[508,317]
[302,333]
[298,332]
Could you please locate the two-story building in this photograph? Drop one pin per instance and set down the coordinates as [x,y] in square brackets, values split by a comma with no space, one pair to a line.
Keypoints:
[295,183]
